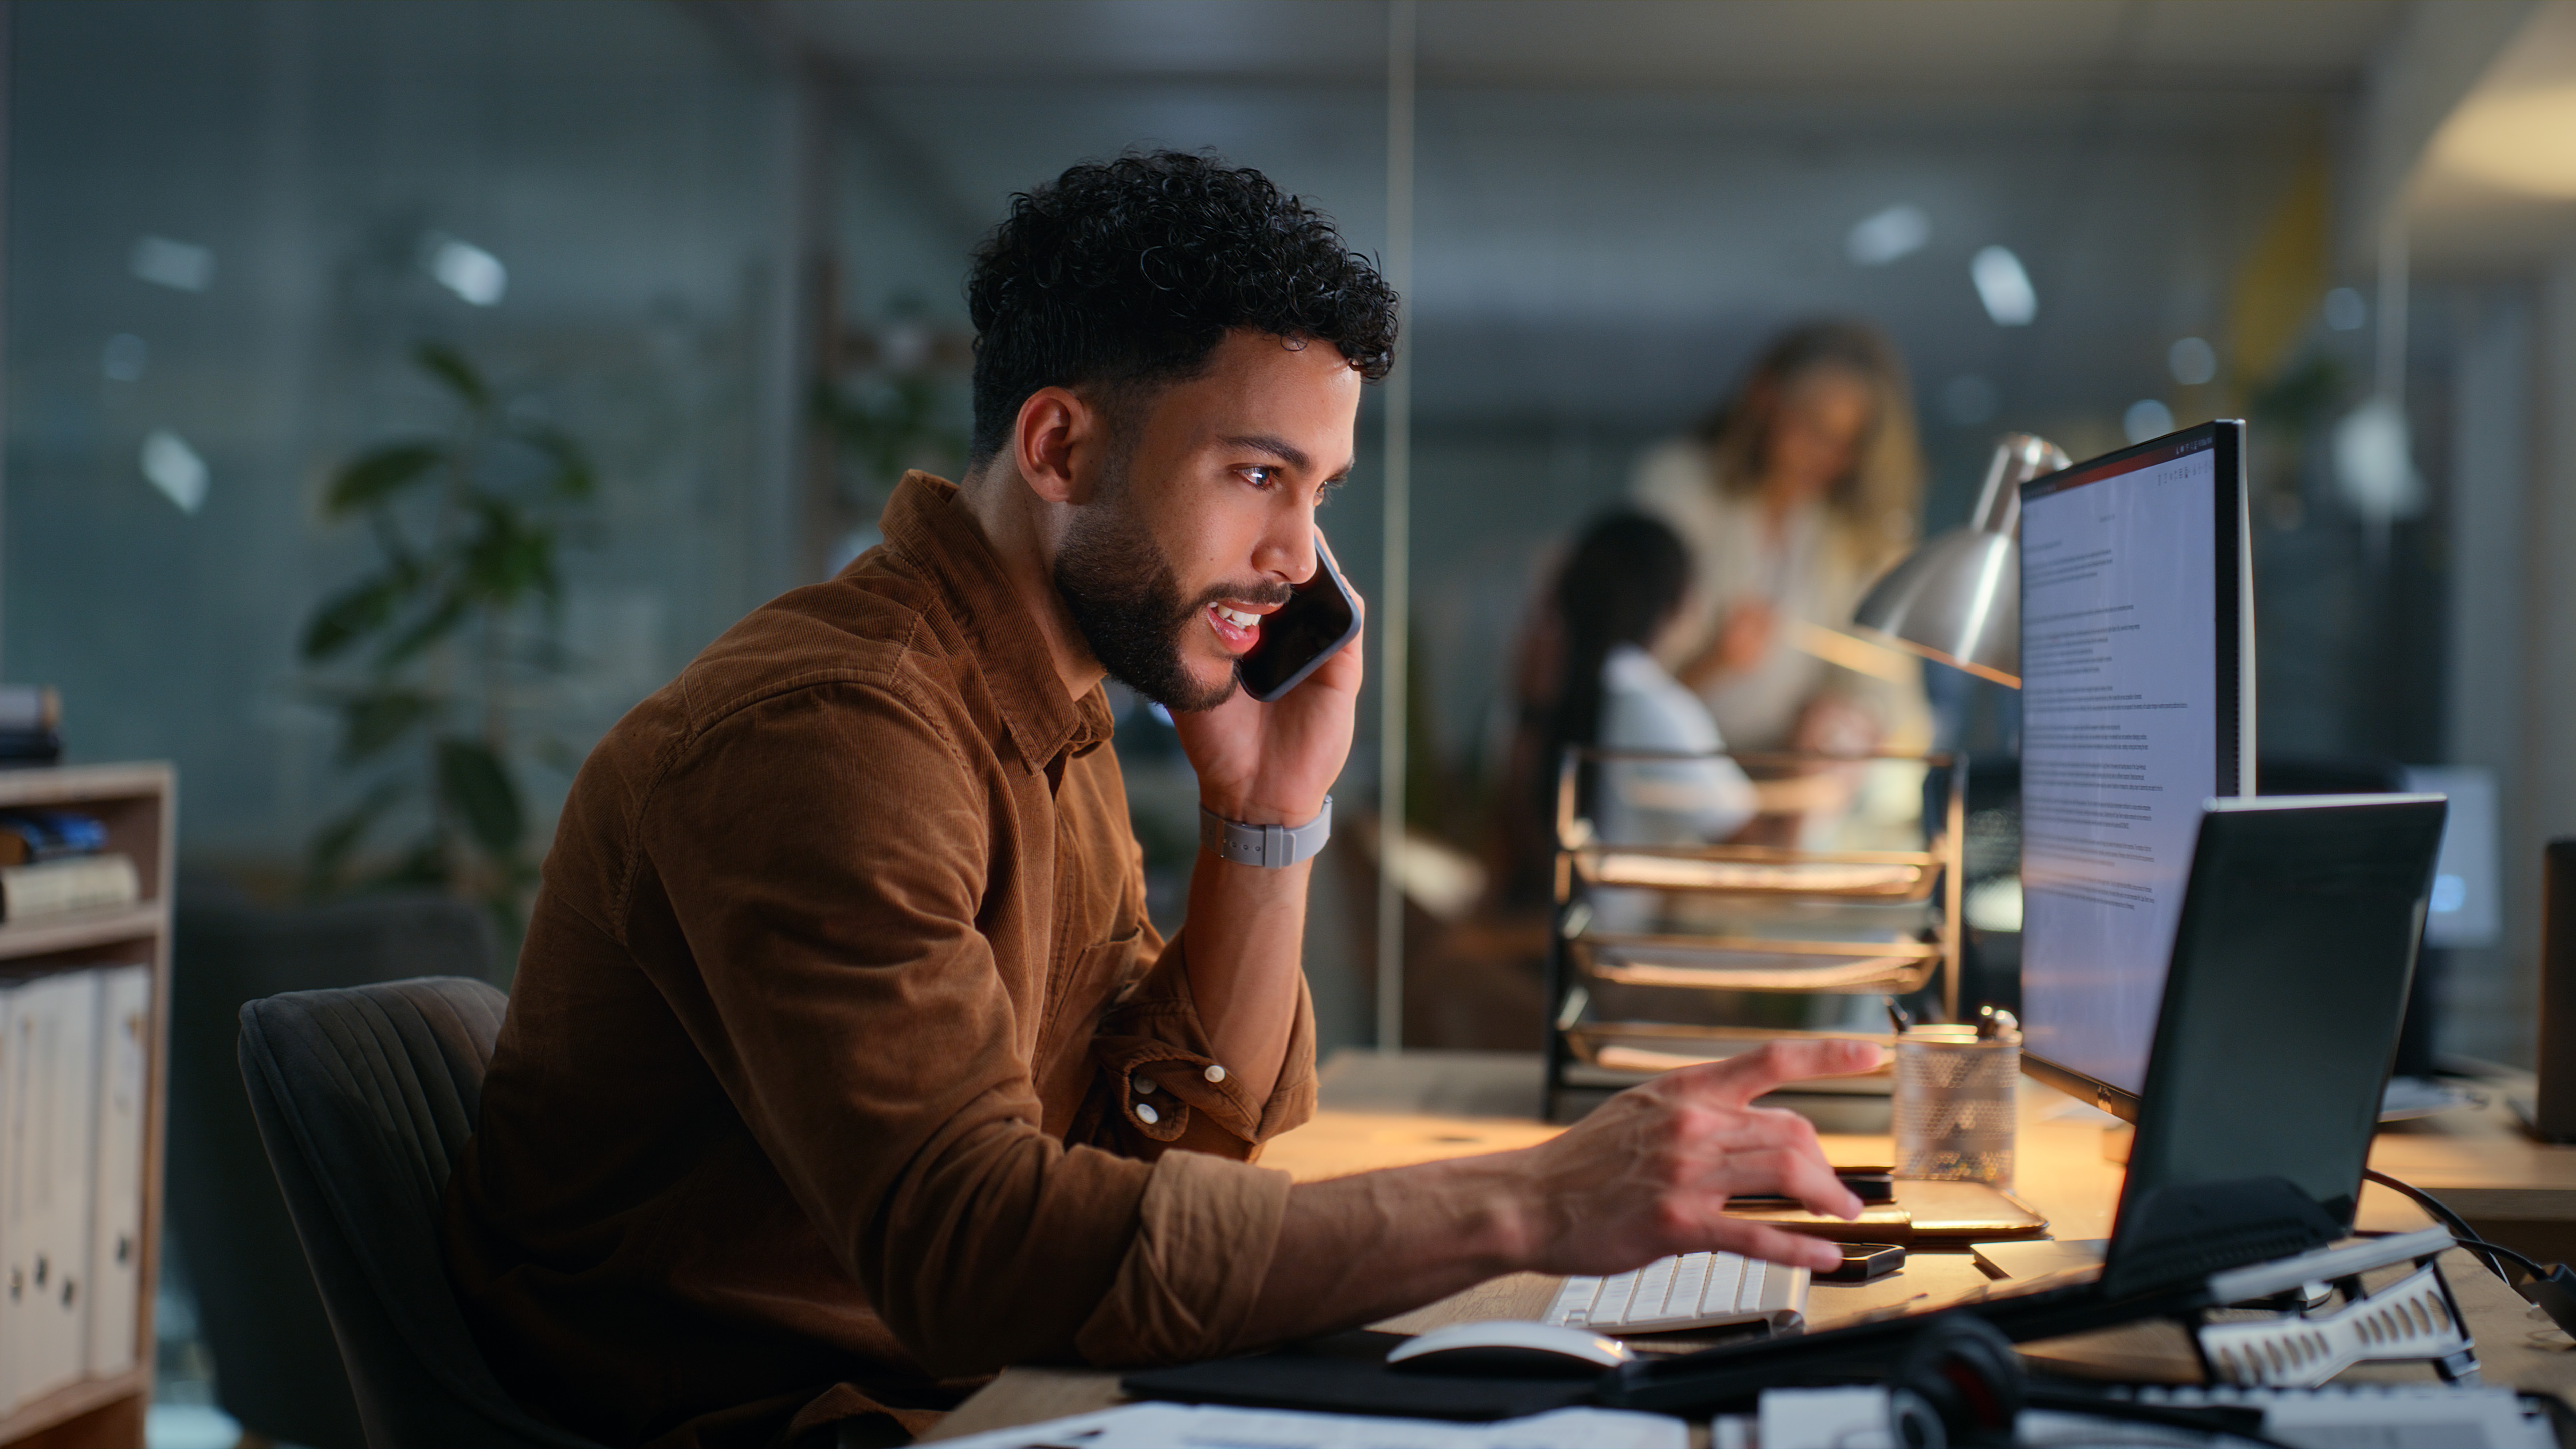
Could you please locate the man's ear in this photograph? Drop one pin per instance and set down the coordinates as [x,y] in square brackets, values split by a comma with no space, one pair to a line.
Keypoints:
[1056,444]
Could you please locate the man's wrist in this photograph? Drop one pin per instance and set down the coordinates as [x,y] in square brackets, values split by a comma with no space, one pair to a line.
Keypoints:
[1491,1215]
[1248,810]
[1271,846]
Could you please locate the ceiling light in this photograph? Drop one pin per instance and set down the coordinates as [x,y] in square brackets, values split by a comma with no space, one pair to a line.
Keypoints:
[2193,361]
[1884,236]
[170,465]
[2374,461]
[2146,418]
[2003,286]
[465,269]
[183,266]
[2523,142]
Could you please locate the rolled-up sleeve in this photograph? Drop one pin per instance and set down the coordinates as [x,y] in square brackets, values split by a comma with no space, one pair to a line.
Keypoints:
[1155,1056]
[857,1017]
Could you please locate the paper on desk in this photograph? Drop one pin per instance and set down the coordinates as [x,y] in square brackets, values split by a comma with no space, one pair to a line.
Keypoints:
[1183,1426]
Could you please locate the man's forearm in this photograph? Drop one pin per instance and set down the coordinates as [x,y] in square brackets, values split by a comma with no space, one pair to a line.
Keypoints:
[1358,1248]
[1246,930]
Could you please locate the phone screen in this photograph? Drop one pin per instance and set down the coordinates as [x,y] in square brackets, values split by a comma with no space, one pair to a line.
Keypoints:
[1317,620]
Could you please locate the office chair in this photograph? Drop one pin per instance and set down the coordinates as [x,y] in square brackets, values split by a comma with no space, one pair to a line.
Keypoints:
[364,1097]
[277,1367]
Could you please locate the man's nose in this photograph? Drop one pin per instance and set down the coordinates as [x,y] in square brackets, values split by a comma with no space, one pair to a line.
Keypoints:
[1288,548]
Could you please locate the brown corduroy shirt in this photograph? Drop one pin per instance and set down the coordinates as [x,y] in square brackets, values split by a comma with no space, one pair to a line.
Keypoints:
[819,1091]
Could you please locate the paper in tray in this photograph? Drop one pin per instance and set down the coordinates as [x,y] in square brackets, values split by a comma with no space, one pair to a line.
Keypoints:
[1626,868]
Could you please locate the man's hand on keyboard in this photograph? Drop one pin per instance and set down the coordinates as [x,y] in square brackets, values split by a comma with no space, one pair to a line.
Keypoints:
[1644,1177]
[1649,1173]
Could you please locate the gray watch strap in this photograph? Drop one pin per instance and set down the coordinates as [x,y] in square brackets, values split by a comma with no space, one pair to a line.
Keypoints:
[1271,847]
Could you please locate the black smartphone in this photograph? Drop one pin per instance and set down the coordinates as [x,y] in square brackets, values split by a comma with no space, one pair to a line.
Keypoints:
[1318,619]
[1869,1187]
[1864,1261]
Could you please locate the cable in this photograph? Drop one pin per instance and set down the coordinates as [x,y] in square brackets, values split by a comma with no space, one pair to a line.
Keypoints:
[2468,1237]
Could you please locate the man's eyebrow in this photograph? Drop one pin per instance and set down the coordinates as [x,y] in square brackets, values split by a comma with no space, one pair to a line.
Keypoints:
[1279,448]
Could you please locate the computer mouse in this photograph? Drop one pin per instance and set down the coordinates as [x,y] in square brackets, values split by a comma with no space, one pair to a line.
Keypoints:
[1509,1346]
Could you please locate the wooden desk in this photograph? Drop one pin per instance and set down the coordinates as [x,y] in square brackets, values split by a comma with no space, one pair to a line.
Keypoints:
[1388,1112]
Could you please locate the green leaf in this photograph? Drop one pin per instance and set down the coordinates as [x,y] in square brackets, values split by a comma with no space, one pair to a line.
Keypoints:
[378,474]
[449,366]
[379,718]
[337,839]
[426,865]
[573,475]
[355,612]
[508,557]
[473,783]
[428,629]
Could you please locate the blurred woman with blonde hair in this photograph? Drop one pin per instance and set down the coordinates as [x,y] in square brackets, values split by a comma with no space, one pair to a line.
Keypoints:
[1793,497]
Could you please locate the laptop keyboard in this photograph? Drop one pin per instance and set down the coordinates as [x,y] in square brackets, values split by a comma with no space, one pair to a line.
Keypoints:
[1693,1290]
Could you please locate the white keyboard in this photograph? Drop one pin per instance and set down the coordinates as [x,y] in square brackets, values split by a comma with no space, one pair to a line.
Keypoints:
[1694,1290]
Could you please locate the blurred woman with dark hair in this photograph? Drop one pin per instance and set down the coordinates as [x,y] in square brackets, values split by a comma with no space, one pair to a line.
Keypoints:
[1624,590]
[1792,498]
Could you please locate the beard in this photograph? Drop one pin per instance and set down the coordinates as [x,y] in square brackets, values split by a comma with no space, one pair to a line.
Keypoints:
[1125,597]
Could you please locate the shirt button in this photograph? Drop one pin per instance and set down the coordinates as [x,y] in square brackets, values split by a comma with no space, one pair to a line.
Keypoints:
[1146,1114]
[1214,1073]
[1142,1085]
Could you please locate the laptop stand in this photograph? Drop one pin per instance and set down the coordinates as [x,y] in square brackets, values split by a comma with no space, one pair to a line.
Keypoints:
[2416,1318]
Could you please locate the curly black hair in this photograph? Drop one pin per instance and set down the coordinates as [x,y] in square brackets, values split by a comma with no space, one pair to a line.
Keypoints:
[1126,274]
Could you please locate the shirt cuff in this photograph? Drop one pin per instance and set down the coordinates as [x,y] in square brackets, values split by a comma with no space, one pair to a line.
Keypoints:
[1206,1230]
[1165,1088]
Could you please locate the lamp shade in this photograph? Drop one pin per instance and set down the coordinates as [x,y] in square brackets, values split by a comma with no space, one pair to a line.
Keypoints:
[1957,599]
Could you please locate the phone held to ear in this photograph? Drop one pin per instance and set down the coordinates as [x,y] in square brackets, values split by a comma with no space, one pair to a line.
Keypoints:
[1318,619]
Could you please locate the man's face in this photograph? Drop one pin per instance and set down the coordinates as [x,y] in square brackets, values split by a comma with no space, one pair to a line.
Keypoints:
[1204,516]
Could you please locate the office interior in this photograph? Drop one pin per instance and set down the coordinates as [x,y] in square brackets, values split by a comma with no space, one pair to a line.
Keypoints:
[713,248]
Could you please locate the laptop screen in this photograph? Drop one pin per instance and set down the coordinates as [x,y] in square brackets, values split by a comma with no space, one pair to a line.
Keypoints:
[2292,958]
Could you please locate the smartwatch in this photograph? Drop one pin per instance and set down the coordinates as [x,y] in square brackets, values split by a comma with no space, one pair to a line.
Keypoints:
[1272,847]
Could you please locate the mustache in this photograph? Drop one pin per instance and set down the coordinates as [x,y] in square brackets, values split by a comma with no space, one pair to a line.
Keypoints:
[1270,592]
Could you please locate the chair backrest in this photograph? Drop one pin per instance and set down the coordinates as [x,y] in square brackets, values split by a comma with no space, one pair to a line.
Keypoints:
[277,1364]
[364,1097]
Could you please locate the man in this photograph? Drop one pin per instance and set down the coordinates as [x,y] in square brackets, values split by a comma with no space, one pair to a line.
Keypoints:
[843,1065]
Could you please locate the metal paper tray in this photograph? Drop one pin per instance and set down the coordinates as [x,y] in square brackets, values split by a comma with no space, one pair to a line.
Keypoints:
[1734,963]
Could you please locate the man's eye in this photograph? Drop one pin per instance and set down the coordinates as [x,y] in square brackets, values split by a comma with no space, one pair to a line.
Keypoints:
[1259,475]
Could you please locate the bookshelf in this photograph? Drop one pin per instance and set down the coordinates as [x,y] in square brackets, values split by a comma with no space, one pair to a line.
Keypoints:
[139,804]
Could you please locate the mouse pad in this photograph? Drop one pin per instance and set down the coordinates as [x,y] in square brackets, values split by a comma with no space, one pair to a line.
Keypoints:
[1346,1373]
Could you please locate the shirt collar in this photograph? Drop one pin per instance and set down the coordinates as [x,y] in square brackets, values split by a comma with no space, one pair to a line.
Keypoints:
[927,526]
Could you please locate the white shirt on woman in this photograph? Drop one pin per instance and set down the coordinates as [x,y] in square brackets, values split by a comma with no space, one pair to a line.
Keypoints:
[1663,802]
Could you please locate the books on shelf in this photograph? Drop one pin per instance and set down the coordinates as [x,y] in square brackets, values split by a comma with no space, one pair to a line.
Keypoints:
[27,836]
[74,1049]
[49,888]
[31,719]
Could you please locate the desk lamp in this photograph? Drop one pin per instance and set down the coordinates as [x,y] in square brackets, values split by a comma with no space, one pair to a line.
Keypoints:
[1957,599]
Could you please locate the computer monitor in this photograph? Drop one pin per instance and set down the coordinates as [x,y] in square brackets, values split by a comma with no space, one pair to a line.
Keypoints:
[2137,662]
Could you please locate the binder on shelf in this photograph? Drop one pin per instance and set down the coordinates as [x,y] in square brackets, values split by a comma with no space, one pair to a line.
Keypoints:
[13,1227]
[116,1233]
[55,1028]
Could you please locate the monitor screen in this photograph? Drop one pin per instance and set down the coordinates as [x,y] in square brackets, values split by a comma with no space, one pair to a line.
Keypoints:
[2136,649]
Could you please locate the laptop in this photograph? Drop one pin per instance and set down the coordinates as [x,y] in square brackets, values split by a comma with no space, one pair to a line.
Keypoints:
[2297,940]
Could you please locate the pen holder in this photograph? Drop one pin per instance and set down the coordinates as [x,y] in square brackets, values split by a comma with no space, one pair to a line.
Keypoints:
[1955,1104]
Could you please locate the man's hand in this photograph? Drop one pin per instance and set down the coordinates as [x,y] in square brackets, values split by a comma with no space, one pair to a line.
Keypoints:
[1646,1175]
[1650,1172]
[1270,764]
